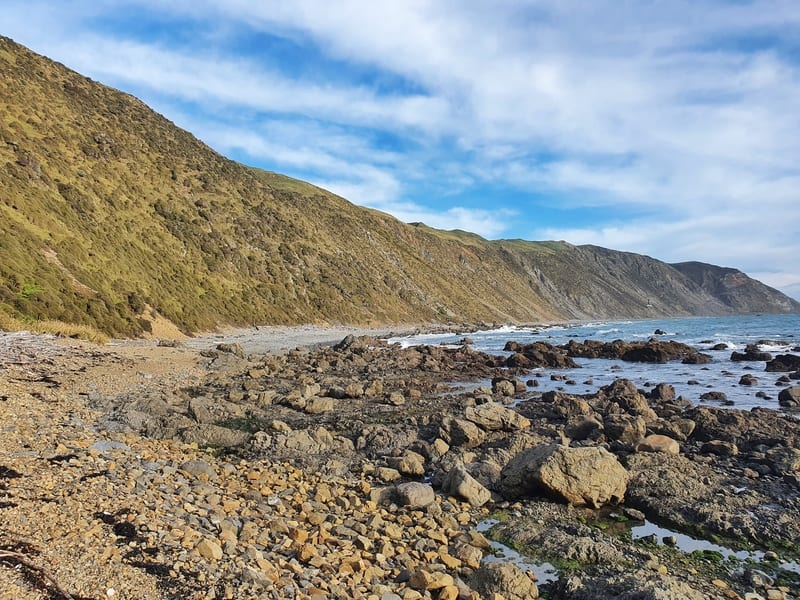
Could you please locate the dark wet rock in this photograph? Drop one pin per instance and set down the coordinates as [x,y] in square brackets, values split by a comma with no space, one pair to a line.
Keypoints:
[784,362]
[505,579]
[662,392]
[748,380]
[751,353]
[652,351]
[714,396]
[720,346]
[538,354]
[790,397]
[580,476]
[519,360]
[659,332]
[697,359]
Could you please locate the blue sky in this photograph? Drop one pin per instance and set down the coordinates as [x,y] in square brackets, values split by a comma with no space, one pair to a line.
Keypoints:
[670,129]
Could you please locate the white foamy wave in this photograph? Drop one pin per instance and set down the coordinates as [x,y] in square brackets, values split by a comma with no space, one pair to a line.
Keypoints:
[775,347]
[605,331]
[419,340]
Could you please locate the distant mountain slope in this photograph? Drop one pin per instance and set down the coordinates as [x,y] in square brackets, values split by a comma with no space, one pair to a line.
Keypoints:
[110,214]
[736,290]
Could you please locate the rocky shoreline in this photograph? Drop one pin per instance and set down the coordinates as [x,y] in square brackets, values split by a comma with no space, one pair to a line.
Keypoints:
[364,470]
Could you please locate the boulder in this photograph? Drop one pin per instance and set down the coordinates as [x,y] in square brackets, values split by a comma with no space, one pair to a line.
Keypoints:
[784,363]
[213,435]
[662,392]
[199,468]
[624,393]
[494,417]
[719,448]
[580,476]
[783,460]
[790,397]
[541,354]
[460,483]
[503,387]
[396,399]
[318,405]
[658,443]
[411,464]
[504,579]
[714,396]
[751,353]
[627,429]
[698,358]
[235,349]
[748,380]
[583,428]
[460,432]
[414,494]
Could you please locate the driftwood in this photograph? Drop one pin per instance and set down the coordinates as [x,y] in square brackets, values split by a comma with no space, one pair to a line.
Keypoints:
[22,559]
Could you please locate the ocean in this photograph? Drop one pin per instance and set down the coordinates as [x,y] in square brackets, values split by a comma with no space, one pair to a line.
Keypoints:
[776,334]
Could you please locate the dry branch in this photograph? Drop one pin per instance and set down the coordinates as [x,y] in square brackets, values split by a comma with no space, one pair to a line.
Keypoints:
[23,560]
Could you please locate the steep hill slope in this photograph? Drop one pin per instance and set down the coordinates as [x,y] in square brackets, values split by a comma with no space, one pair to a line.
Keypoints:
[110,214]
[735,289]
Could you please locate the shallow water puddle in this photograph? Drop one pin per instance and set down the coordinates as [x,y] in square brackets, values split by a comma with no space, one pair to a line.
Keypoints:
[544,571]
[688,544]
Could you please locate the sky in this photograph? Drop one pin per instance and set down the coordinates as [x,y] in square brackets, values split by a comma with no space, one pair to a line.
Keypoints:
[669,128]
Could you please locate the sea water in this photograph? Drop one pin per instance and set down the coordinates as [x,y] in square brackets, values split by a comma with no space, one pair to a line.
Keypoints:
[778,334]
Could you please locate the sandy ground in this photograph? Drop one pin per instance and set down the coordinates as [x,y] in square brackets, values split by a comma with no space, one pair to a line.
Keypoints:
[270,339]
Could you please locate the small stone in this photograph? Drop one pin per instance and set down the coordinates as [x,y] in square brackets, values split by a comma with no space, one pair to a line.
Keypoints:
[634,514]
[209,549]
[396,399]
[199,468]
[414,494]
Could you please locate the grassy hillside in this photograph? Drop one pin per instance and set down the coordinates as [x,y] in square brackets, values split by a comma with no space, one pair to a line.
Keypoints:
[110,215]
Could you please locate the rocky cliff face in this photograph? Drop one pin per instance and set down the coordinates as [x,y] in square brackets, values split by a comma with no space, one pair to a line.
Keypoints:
[111,215]
[736,290]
